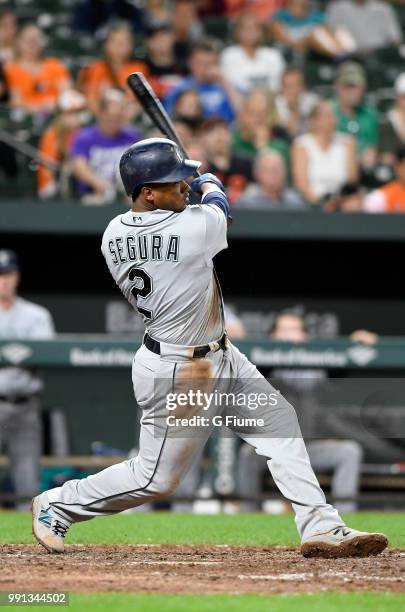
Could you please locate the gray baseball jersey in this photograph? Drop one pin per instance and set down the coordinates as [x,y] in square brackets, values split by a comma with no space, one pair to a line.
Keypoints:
[24,320]
[162,262]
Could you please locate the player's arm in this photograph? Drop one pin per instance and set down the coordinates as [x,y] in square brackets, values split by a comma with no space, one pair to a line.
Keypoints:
[216,213]
[213,192]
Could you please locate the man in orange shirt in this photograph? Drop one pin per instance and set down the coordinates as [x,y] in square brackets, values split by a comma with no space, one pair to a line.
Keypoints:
[391,197]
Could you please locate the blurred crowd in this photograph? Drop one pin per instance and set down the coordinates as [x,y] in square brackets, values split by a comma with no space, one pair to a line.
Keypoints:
[240,101]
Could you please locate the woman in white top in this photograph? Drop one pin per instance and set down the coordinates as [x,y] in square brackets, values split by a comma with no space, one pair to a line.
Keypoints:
[323,160]
[249,64]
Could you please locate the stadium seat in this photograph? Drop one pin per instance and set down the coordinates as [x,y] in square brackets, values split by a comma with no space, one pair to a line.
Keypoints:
[318,72]
[218,27]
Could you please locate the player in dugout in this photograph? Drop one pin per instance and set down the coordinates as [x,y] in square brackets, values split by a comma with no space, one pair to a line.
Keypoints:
[20,387]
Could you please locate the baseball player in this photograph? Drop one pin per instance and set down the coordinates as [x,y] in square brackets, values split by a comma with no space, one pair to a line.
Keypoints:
[160,255]
[21,387]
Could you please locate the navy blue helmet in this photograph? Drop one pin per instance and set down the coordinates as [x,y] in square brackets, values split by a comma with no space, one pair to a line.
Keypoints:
[8,261]
[154,161]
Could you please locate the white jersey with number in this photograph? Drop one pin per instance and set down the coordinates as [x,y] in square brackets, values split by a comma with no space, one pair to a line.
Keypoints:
[162,262]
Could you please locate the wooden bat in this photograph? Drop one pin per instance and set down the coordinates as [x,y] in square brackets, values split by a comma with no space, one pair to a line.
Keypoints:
[153,107]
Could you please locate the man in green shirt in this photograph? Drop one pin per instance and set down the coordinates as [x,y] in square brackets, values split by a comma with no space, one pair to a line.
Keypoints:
[353,115]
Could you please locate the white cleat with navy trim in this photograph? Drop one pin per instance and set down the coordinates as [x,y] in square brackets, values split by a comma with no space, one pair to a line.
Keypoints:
[48,528]
[344,542]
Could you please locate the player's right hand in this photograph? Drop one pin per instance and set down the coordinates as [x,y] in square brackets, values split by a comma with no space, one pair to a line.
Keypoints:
[198,182]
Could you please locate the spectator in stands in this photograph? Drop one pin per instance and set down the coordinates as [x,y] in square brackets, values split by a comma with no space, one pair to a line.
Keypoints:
[35,81]
[372,24]
[392,126]
[197,151]
[234,170]
[294,103]
[249,64]
[163,67]
[20,387]
[323,160]
[157,11]
[96,150]
[8,34]
[303,28]
[187,29]
[57,139]
[114,68]
[218,97]
[257,127]
[188,109]
[391,197]
[185,132]
[341,457]
[353,115]
[269,190]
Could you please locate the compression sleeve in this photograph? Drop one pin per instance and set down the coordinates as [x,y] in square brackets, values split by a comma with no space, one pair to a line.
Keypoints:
[218,198]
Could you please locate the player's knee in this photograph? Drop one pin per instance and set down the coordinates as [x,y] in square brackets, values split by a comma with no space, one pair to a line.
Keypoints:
[352,449]
[163,487]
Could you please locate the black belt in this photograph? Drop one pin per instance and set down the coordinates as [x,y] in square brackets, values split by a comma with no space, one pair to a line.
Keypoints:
[199,351]
[15,399]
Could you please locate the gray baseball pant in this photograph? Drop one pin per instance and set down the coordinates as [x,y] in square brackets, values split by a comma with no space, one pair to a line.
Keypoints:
[20,434]
[165,453]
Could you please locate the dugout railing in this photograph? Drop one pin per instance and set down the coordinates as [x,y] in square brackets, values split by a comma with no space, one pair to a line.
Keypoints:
[69,218]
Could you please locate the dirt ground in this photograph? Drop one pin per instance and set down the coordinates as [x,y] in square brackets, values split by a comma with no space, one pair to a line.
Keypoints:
[194,569]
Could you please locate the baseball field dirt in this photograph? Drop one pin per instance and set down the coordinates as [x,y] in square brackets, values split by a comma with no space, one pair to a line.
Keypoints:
[168,562]
[195,570]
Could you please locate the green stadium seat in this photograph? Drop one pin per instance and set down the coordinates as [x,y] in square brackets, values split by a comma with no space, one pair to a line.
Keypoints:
[318,72]
[389,56]
[400,11]
[218,27]
[383,99]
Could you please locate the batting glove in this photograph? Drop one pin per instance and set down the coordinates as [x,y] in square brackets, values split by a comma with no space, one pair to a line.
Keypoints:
[197,183]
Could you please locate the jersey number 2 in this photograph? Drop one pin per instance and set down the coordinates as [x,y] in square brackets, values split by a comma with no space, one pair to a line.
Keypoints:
[142,287]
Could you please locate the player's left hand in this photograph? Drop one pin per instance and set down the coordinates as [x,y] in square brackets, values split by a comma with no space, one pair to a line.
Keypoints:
[197,183]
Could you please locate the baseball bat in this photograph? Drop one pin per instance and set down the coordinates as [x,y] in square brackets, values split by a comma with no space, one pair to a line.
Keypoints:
[153,107]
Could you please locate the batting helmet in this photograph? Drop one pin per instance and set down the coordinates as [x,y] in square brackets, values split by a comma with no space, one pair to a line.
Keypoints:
[154,161]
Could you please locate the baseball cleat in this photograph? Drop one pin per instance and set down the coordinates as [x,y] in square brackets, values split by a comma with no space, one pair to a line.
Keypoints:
[46,527]
[344,542]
